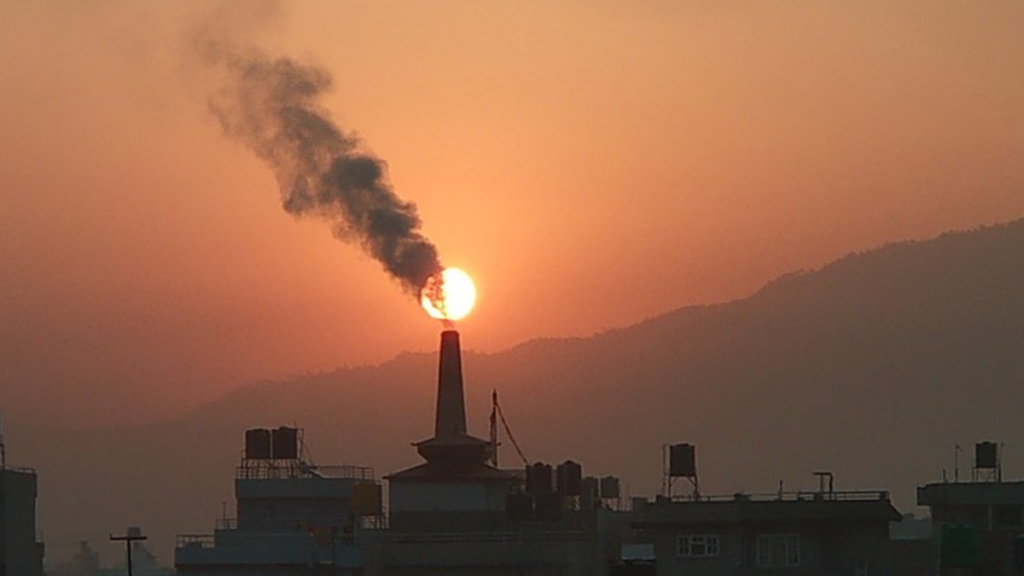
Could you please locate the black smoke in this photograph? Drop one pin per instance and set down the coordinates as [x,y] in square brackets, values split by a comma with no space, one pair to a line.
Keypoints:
[272,105]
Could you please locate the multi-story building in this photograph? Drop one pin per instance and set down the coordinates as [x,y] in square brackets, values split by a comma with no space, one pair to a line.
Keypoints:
[979,526]
[21,553]
[822,533]
[292,515]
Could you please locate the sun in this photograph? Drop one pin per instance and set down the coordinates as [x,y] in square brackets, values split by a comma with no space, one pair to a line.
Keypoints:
[448,295]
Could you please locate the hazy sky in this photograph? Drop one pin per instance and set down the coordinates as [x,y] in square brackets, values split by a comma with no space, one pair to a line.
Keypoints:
[591,164]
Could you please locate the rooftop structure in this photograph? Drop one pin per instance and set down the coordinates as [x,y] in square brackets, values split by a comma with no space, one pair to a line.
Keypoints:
[456,513]
[291,514]
[455,479]
[988,505]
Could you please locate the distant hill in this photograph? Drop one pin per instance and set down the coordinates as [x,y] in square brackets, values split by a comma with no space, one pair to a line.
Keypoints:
[872,367]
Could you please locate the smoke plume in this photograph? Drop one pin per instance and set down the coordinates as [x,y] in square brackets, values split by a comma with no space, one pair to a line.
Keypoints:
[272,106]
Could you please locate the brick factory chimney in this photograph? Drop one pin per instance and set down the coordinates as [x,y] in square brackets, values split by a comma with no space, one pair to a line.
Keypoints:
[451,445]
[451,404]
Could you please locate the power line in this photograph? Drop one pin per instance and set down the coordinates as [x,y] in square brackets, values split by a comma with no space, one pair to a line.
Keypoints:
[508,431]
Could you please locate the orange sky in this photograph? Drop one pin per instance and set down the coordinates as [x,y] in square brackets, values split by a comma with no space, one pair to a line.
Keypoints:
[590,163]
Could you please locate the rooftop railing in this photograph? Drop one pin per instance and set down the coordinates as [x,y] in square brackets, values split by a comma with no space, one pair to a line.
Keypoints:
[799,496]
[293,523]
[194,540]
[514,536]
[288,469]
[20,469]
[208,541]
[244,539]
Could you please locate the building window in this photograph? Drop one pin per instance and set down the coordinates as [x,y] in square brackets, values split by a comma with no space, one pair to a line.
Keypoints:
[697,546]
[778,550]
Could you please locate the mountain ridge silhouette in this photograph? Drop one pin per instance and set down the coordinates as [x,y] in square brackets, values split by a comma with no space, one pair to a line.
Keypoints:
[873,366]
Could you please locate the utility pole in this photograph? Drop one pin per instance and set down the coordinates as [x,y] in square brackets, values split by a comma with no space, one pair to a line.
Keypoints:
[494,428]
[3,448]
[128,539]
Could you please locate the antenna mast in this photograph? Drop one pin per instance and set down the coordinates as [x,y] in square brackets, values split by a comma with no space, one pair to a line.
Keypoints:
[494,428]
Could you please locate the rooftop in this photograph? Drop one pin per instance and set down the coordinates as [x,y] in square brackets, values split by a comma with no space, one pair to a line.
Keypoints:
[432,471]
[967,493]
[777,507]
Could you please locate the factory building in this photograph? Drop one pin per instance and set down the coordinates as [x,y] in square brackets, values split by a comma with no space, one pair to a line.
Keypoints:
[21,554]
[457,514]
[454,513]
[455,486]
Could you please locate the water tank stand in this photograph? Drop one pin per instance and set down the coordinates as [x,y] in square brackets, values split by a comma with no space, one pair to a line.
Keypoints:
[669,479]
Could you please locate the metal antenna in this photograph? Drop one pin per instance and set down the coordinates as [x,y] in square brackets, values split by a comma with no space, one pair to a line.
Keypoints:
[128,539]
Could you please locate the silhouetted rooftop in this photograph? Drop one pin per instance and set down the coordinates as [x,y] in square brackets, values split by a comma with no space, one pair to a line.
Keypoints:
[432,471]
[788,507]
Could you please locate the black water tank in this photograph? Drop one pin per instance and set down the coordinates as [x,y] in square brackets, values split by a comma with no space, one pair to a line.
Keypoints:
[682,460]
[569,477]
[284,443]
[538,478]
[257,444]
[610,487]
[986,455]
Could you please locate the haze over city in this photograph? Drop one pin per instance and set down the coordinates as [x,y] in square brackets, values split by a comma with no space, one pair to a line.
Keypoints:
[592,165]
